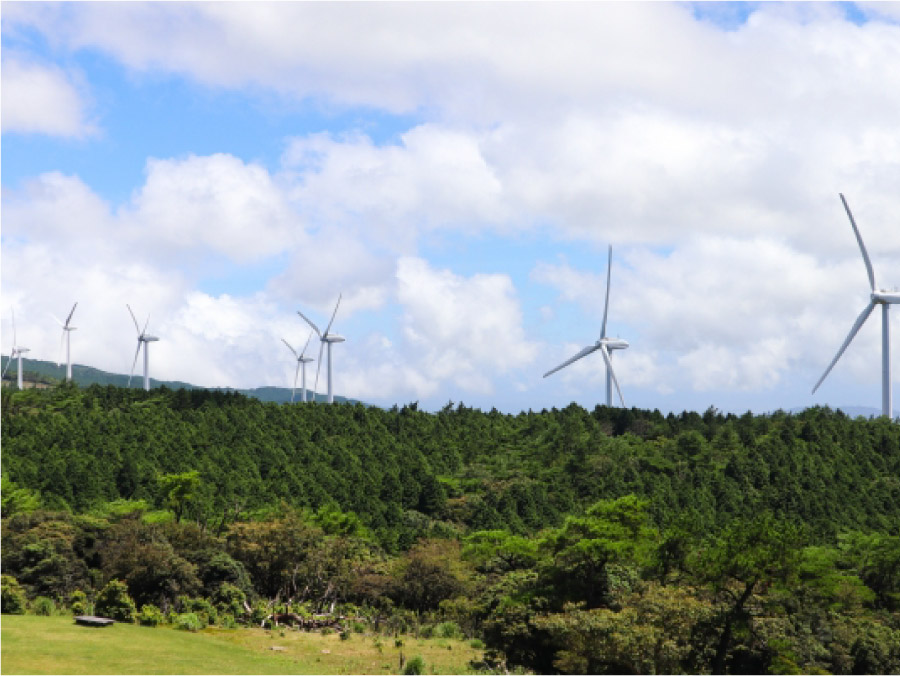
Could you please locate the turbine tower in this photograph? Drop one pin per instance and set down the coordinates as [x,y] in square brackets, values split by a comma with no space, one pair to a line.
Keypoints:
[67,329]
[302,361]
[885,298]
[604,344]
[144,341]
[16,352]
[325,338]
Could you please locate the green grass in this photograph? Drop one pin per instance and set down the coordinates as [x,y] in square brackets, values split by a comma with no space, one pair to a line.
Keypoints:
[56,645]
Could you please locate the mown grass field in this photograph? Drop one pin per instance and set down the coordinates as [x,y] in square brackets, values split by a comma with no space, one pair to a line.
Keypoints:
[56,645]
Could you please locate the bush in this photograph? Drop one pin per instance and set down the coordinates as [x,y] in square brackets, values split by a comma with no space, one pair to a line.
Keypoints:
[230,599]
[43,605]
[476,643]
[150,616]
[447,630]
[358,627]
[227,621]
[345,635]
[113,601]
[201,607]
[12,596]
[189,622]
[415,666]
[78,603]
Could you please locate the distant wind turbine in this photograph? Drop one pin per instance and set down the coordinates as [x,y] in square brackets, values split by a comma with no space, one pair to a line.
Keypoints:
[604,345]
[302,361]
[16,352]
[67,329]
[885,298]
[325,338]
[143,340]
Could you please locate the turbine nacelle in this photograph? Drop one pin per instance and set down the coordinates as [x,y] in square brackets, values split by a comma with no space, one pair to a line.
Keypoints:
[614,343]
[333,338]
[889,297]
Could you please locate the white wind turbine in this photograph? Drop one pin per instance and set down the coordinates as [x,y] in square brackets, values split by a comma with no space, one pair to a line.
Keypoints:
[885,298]
[302,361]
[325,338]
[67,329]
[604,344]
[144,341]
[16,352]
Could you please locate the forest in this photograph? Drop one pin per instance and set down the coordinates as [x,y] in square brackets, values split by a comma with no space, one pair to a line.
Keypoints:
[567,540]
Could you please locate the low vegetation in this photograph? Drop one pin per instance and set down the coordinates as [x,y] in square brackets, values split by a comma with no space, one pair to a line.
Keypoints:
[604,541]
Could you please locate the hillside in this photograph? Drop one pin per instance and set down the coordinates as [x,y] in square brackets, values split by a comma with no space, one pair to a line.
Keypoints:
[565,540]
[38,371]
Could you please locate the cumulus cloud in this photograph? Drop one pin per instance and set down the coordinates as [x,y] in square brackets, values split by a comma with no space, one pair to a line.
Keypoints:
[465,329]
[42,99]
[216,202]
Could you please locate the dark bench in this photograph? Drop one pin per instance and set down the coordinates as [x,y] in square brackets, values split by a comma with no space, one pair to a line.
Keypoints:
[92,621]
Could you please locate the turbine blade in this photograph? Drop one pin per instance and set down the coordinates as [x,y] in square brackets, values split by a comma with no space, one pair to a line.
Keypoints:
[586,351]
[606,306]
[8,362]
[862,247]
[303,352]
[136,327]
[314,327]
[864,315]
[318,367]
[328,328]
[608,361]
[134,363]
[56,319]
[146,324]
[69,318]
[15,342]
[290,348]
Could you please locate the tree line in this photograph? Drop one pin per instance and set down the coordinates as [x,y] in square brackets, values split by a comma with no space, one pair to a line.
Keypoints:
[603,541]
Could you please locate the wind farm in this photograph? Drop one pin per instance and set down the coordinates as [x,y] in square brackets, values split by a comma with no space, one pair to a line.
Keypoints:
[577,287]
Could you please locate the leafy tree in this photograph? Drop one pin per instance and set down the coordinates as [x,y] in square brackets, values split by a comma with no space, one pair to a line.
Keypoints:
[12,596]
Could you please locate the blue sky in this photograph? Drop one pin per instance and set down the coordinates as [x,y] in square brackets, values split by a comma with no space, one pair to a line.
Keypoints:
[457,172]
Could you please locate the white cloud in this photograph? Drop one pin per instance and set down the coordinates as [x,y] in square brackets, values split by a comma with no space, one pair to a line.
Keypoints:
[42,99]
[216,202]
[466,330]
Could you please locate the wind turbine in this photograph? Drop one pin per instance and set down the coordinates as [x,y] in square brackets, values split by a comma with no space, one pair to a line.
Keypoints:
[885,298]
[302,360]
[325,338]
[17,351]
[143,341]
[67,329]
[604,344]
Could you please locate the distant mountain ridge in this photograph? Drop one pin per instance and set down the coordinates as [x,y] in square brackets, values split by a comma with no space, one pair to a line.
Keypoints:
[85,376]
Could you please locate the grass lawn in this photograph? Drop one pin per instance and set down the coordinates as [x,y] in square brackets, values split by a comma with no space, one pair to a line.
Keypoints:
[56,645]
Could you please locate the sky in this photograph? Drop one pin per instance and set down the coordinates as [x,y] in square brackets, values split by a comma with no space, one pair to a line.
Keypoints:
[457,171]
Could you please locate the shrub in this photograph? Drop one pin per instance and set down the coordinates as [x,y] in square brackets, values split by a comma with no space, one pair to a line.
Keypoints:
[415,666]
[345,635]
[201,607]
[43,605]
[227,621]
[447,630]
[230,599]
[113,601]
[358,627]
[78,603]
[188,622]
[150,616]
[476,643]
[12,596]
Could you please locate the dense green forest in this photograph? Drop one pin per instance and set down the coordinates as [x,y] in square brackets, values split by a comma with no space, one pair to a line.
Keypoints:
[603,541]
